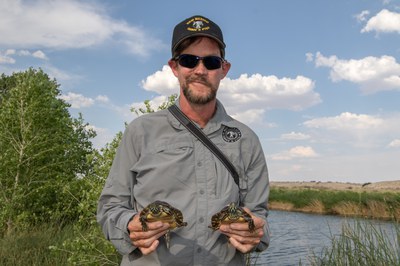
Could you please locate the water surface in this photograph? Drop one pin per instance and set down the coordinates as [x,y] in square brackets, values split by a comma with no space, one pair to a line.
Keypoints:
[294,236]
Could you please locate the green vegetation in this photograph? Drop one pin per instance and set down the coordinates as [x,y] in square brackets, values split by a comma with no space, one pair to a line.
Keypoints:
[49,245]
[361,243]
[50,177]
[382,205]
[43,152]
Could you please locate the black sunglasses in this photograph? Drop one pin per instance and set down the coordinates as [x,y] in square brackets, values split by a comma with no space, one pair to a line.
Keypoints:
[211,62]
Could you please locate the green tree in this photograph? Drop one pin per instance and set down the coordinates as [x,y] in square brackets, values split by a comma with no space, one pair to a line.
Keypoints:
[6,82]
[42,150]
[149,109]
[90,246]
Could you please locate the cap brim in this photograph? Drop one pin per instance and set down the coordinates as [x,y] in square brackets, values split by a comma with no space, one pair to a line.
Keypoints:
[199,35]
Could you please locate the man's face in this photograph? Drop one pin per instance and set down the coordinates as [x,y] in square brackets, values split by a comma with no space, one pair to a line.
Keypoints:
[199,85]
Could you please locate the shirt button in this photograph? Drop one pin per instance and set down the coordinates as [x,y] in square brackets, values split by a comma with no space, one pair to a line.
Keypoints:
[199,164]
[201,191]
[198,250]
[201,220]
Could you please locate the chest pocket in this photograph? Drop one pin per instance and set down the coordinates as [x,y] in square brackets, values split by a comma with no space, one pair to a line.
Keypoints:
[163,165]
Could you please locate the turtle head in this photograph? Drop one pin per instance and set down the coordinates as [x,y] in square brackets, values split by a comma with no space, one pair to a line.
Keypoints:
[154,208]
[232,209]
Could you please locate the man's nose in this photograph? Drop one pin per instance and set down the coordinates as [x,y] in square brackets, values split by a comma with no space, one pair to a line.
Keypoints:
[200,68]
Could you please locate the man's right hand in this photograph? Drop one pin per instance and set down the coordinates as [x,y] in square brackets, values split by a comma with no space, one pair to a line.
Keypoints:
[147,241]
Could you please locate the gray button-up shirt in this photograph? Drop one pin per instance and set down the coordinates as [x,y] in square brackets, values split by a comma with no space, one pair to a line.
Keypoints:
[158,159]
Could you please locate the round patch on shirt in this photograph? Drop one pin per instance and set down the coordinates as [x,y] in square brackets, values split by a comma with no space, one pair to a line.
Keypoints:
[231,134]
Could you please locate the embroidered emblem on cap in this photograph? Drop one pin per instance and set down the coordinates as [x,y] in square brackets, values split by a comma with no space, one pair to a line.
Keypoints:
[198,24]
[231,134]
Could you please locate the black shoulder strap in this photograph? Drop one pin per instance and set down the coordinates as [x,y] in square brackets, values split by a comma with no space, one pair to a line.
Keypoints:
[198,133]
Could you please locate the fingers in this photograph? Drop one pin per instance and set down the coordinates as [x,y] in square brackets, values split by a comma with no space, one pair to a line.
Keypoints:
[146,241]
[154,232]
[242,240]
[148,245]
[241,237]
[151,248]
[244,248]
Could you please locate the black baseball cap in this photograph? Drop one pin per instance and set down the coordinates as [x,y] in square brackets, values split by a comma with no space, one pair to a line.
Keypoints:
[196,26]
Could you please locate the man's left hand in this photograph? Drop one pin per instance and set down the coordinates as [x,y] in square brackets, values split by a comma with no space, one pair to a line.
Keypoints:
[239,235]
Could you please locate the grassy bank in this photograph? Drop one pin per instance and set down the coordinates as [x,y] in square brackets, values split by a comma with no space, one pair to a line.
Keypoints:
[359,244]
[49,245]
[377,205]
[31,247]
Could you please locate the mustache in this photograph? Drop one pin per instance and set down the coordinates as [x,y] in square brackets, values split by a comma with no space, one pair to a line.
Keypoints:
[198,79]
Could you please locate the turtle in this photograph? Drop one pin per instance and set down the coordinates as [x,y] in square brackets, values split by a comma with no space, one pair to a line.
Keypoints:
[231,213]
[161,211]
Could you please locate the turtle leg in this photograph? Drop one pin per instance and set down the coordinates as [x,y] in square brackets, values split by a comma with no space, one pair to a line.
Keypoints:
[167,237]
[252,227]
[144,224]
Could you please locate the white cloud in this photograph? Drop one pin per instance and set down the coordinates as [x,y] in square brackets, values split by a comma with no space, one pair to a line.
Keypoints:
[255,93]
[58,74]
[269,92]
[250,116]
[373,74]
[355,130]
[385,21]
[8,56]
[39,54]
[68,24]
[346,121]
[77,100]
[295,136]
[309,57]
[103,136]
[359,168]
[163,82]
[395,143]
[362,16]
[102,98]
[5,57]
[295,153]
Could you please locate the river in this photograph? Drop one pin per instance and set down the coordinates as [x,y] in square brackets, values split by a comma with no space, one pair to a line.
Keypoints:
[295,235]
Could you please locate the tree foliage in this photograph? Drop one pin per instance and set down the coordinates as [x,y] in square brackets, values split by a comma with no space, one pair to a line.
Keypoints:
[42,149]
[149,109]
[49,171]
[91,246]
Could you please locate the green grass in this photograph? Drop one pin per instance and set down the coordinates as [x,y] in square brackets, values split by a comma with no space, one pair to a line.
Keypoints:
[47,245]
[301,198]
[31,247]
[362,243]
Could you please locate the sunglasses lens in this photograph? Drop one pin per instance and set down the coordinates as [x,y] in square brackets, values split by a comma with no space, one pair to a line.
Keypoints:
[212,62]
[191,61]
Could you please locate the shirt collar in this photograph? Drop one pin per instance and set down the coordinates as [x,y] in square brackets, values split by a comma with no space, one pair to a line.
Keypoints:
[220,118]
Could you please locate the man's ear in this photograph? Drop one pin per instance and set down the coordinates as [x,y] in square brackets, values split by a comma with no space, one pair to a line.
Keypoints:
[225,68]
[174,66]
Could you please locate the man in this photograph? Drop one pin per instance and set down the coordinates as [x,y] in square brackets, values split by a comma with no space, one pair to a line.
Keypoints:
[159,159]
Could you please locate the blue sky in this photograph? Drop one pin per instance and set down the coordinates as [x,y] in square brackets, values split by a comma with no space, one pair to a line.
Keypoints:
[318,81]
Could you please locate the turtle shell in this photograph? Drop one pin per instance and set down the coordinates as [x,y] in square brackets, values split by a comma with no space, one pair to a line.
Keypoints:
[231,213]
[161,211]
